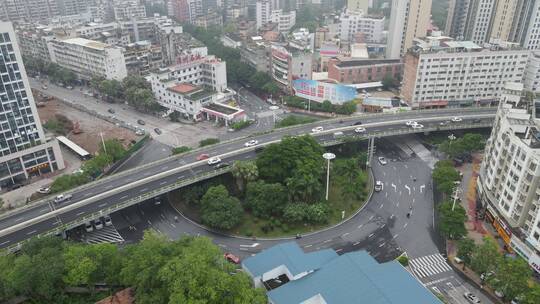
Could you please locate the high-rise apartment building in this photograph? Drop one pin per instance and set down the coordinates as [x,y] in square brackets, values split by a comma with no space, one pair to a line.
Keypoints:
[408,19]
[457,18]
[479,17]
[353,22]
[128,9]
[28,10]
[509,179]
[358,5]
[24,149]
[439,71]
[187,10]
[263,10]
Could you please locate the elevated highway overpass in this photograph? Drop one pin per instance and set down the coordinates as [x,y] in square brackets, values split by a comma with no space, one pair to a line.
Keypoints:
[121,190]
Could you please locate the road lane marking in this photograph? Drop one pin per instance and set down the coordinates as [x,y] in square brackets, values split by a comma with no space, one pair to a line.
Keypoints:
[149,223]
[44,210]
[397,205]
[360,226]
[327,241]
[163,183]
[180,177]
[345,234]
[87,194]
[383,225]
[108,186]
[124,197]
[81,213]
[173,225]
[382,244]
[19,219]
[31,232]
[143,190]
[395,236]
[102,205]
[382,205]
[307,246]
[356,243]
[371,217]
[340,249]
[371,235]
[165,168]
[392,216]
[405,225]
[4,243]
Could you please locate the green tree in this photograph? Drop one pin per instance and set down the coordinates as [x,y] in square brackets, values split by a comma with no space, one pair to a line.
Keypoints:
[219,209]
[266,200]
[180,150]
[347,108]
[271,88]
[137,82]
[444,175]
[244,172]
[279,161]
[293,120]
[111,88]
[94,167]
[465,250]
[1,203]
[532,296]
[388,81]
[511,277]
[69,181]
[452,222]
[208,142]
[141,99]
[485,256]
[318,213]
[295,212]
[113,148]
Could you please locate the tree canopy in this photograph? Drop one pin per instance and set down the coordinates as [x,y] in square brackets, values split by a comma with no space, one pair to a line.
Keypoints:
[219,209]
[452,222]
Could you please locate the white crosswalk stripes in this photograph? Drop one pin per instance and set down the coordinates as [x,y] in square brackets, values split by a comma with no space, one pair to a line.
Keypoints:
[429,265]
[107,234]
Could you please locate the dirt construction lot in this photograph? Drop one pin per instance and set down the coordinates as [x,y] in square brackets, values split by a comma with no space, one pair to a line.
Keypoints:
[91,126]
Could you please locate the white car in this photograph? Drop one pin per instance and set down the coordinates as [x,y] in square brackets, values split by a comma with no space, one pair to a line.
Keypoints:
[62,198]
[99,224]
[317,129]
[378,186]
[107,220]
[44,190]
[360,130]
[88,226]
[214,160]
[417,126]
[411,123]
[382,160]
[251,143]
[471,297]
[444,123]
[457,119]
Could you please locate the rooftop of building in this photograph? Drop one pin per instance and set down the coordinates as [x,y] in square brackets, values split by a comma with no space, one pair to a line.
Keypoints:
[221,108]
[351,278]
[344,63]
[437,43]
[184,88]
[92,44]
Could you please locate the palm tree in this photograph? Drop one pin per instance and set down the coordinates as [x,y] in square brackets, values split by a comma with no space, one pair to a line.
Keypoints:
[244,172]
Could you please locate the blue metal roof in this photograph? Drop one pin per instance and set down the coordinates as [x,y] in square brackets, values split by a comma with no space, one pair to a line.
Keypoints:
[355,278]
[290,255]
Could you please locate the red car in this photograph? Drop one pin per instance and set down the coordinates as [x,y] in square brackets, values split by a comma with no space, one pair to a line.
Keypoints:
[232,258]
[203,156]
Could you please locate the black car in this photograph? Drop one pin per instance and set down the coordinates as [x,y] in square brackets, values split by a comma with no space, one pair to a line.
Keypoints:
[158,131]
[357,123]
[477,120]
[141,122]
[259,149]
[112,111]
[221,165]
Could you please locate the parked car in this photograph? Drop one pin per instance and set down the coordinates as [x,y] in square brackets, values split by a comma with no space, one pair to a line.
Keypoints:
[471,297]
[382,160]
[62,198]
[107,220]
[214,160]
[360,130]
[379,186]
[139,132]
[251,143]
[98,224]
[44,87]
[44,190]
[158,131]
[88,227]
[141,122]
[69,87]
[203,156]
[112,111]
[317,129]
[231,258]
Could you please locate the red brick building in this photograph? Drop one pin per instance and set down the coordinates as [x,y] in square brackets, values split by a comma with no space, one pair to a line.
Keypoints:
[363,70]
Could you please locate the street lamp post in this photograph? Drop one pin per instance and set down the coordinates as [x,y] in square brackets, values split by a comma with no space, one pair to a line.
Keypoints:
[328,157]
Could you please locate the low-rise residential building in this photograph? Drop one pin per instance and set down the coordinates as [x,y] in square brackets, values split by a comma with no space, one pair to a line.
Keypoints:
[288,64]
[364,70]
[353,22]
[210,19]
[291,276]
[142,57]
[33,42]
[231,40]
[509,180]
[439,70]
[89,58]
[284,20]
[531,81]
[128,9]
[256,53]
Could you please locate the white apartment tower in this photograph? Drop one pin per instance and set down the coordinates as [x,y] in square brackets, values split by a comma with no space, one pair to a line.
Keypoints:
[358,5]
[509,181]
[352,22]
[439,71]
[24,149]
[408,19]
[263,9]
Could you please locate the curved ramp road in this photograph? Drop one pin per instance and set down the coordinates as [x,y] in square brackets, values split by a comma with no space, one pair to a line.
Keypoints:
[139,184]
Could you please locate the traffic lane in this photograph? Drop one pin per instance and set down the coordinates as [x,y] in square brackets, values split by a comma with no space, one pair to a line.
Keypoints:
[28,232]
[113,183]
[141,189]
[24,215]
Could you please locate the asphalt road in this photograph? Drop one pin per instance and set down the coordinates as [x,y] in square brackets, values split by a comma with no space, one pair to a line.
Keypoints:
[382,227]
[21,224]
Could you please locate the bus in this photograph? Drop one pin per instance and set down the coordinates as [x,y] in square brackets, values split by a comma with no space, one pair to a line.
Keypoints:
[78,150]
